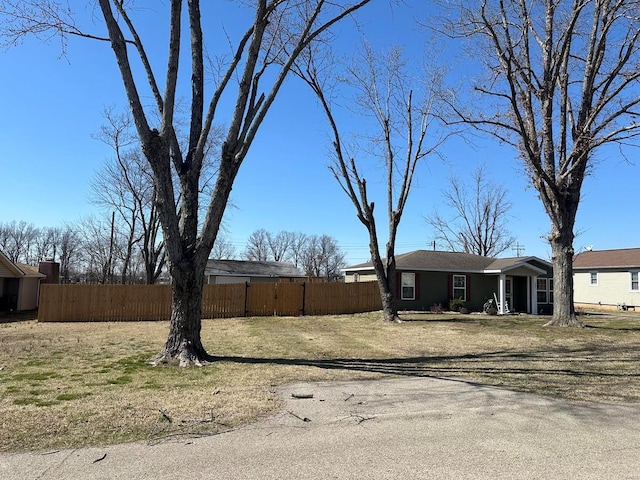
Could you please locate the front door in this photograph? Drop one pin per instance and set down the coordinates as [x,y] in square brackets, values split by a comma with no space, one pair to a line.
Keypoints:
[508,288]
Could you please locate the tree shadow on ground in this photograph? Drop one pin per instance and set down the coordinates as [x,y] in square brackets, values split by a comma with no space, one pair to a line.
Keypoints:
[591,373]
[619,329]
[440,319]
[582,362]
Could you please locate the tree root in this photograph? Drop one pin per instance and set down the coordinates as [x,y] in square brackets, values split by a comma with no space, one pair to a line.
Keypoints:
[182,358]
[564,322]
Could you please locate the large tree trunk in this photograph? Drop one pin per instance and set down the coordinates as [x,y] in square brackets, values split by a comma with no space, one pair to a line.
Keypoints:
[562,253]
[389,306]
[389,297]
[183,343]
[386,276]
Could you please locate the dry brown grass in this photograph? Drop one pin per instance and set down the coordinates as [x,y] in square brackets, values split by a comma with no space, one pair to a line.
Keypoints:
[71,384]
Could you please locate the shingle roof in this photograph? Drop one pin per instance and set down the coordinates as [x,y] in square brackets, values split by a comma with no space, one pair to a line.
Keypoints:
[251,268]
[432,260]
[19,269]
[622,258]
[30,270]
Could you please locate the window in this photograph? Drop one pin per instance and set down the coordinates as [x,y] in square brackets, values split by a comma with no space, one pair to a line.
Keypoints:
[507,290]
[356,277]
[408,286]
[593,278]
[460,287]
[634,281]
[543,290]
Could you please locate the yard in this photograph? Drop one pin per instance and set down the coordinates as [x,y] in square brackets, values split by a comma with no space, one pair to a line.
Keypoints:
[71,384]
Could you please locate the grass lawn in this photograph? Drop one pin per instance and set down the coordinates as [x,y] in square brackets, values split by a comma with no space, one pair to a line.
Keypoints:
[74,384]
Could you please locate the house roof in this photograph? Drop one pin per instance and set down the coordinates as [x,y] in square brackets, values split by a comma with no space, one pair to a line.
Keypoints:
[621,258]
[10,266]
[249,268]
[19,270]
[503,265]
[30,270]
[433,260]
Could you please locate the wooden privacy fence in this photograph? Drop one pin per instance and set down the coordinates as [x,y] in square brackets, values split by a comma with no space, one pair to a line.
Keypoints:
[108,303]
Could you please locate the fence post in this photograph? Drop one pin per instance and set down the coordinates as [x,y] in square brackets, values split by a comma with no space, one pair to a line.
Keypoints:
[246,297]
[304,297]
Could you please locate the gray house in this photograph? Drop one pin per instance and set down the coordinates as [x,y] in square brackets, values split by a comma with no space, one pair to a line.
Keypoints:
[425,278]
[241,271]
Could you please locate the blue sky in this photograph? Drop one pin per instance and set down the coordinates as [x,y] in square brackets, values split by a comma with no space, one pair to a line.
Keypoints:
[51,106]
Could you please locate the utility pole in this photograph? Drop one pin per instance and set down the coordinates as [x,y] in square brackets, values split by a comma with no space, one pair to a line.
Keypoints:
[519,249]
[110,261]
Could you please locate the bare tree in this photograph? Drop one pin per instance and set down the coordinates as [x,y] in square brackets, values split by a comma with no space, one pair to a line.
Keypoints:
[188,240]
[125,185]
[68,247]
[263,245]
[257,248]
[402,116]
[562,81]
[118,186]
[296,251]
[280,245]
[5,235]
[223,248]
[18,241]
[478,223]
[322,257]
[98,244]
[46,243]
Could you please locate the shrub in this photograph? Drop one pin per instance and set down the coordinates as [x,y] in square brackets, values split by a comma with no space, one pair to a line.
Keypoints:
[437,308]
[456,304]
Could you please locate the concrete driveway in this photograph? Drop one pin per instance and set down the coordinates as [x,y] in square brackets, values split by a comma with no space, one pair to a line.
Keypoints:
[396,428]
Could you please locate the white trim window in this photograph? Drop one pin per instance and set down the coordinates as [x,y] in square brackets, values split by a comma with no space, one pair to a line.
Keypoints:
[544,287]
[408,286]
[635,285]
[593,278]
[460,287]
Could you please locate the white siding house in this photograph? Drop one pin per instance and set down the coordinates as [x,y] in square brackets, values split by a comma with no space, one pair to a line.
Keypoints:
[607,278]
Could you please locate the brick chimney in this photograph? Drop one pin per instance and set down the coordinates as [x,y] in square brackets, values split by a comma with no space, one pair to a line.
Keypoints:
[51,269]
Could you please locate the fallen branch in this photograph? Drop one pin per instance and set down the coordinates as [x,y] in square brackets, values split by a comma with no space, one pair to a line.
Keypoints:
[100,459]
[302,395]
[179,427]
[304,419]
[158,438]
[362,419]
[50,453]
[165,415]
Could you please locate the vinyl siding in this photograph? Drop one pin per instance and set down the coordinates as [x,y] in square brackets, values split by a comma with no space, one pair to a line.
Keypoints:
[28,296]
[5,272]
[364,277]
[613,287]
